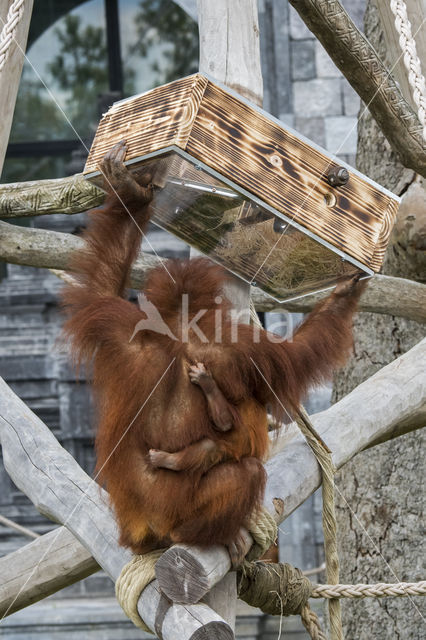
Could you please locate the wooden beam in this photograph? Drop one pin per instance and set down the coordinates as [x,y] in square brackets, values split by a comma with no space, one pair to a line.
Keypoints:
[63,492]
[52,250]
[230,52]
[10,75]
[352,53]
[392,401]
[42,567]
[416,15]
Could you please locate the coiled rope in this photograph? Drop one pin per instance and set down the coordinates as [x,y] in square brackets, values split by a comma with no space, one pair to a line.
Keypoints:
[8,33]
[411,59]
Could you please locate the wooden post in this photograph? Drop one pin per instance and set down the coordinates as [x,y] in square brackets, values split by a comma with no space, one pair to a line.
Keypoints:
[10,75]
[416,15]
[230,52]
[41,568]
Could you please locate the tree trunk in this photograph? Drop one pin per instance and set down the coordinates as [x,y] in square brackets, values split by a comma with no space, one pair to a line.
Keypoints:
[380,492]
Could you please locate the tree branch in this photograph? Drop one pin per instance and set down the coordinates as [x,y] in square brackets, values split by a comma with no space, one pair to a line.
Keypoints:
[69,195]
[52,250]
[357,60]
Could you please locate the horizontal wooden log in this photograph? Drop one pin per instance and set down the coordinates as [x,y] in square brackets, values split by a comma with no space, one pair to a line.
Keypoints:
[42,567]
[358,61]
[62,491]
[52,250]
[392,401]
[73,194]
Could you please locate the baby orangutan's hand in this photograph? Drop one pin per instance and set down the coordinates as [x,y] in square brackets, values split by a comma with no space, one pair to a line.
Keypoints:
[198,374]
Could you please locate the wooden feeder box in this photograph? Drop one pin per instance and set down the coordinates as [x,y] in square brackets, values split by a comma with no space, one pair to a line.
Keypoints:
[246,190]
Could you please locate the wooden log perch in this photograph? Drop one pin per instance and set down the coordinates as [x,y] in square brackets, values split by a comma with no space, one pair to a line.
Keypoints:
[42,567]
[352,53]
[52,250]
[62,491]
[391,402]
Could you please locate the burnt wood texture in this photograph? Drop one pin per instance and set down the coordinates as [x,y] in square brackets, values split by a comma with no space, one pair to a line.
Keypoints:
[258,154]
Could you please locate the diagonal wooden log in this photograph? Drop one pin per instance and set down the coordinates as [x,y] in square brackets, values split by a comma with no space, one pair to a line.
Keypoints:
[52,250]
[42,567]
[389,404]
[62,491]
[358,61]
[392,401]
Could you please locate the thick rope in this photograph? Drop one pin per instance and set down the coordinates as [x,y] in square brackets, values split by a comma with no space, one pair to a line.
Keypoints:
[279,589]
[264,531]
[379,590]
[323,456]
[134,577]
[411,59]
[8,33]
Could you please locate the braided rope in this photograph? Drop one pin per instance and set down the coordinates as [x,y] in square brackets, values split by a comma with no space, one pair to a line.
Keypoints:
[8,33]
[324,459]
[379,590]
[264,530]
[133,579]
[411,59]
[311,623]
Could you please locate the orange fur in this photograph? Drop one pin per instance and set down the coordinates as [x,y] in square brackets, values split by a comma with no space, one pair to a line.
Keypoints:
[145,399]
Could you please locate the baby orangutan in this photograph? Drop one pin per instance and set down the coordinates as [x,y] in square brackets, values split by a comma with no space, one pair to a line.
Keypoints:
[182,416]
[206,452]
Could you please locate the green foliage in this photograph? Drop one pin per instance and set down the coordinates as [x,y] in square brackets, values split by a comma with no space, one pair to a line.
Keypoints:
[81,69]
[82,58]
[162,22]
[36,116]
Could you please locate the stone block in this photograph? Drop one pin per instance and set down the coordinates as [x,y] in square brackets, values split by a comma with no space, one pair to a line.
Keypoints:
[312,128]
[341,135]
[303,59]
[325,67]
[351,100]
[76,410]
[317,98]
[298,29]
[287,119]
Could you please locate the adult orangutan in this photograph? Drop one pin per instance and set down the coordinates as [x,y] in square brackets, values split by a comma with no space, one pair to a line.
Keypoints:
[182,415]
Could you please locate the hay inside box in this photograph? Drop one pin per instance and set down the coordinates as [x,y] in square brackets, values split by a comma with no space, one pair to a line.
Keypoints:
[247,191]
